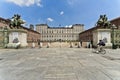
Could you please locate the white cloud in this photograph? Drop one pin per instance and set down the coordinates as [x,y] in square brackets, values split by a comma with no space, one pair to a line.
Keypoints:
[61,13]
[69,26]
[40,20]
[50,19]
[72,2]
[26,2]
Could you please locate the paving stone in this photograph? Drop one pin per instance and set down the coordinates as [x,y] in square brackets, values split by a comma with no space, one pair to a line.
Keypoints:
[58,64]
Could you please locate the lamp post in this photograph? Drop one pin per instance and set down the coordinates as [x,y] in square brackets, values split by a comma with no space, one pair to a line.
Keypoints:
[113,36]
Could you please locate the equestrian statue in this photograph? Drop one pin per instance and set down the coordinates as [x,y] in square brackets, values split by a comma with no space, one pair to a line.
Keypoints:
[103,22]
[16,21]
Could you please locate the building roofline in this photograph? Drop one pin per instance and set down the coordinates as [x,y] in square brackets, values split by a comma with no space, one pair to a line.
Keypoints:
[115,19]
[78,25]
[30,29]
[8,21]
[59,26]
[97,27]
[89,29]
[41,25]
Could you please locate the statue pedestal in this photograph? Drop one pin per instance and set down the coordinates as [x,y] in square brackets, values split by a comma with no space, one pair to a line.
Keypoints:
[18,35]
[102,34]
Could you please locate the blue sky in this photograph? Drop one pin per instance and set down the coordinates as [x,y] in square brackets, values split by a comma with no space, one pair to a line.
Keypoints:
[60,12]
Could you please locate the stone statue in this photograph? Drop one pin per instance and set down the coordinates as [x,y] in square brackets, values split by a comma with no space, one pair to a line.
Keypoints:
[103,22]
[16,21]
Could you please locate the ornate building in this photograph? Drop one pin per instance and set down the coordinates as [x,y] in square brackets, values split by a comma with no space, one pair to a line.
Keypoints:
[59,33]
[32,35]
[3,23]
[87,36]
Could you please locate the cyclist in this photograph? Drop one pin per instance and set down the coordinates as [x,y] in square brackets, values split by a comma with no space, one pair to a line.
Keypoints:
[100,45]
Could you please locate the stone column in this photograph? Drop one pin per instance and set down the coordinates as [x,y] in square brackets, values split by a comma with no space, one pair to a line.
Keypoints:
[5,41]
[71,45]
[48,45]
[79,44]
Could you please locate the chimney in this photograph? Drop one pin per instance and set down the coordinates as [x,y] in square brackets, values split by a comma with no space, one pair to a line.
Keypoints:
[31,27]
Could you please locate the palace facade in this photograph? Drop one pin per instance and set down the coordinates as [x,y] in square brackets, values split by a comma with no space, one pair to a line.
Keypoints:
[53,34]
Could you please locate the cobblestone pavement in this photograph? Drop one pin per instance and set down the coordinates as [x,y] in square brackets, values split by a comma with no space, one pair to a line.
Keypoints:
[59,64]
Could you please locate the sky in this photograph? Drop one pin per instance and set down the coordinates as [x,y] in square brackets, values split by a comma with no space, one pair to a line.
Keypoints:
[60,13]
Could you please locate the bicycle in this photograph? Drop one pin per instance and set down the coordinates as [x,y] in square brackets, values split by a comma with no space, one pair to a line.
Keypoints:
[99,50]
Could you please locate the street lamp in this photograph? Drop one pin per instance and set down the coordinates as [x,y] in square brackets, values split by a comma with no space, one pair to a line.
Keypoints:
[113,36]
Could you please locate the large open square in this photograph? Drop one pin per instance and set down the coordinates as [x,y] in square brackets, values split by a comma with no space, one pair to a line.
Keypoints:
[59,64]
